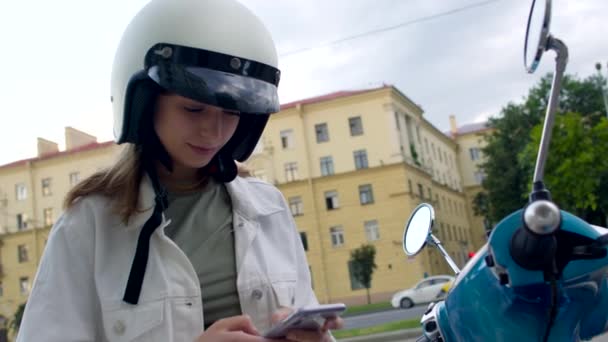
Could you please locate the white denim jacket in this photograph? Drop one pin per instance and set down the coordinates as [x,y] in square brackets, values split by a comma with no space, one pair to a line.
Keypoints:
[78,290]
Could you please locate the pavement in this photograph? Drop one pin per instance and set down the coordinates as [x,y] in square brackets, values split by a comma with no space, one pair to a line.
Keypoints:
[407,335]
[393,336]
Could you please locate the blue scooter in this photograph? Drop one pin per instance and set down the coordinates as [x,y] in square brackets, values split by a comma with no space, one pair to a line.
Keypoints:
[542,276]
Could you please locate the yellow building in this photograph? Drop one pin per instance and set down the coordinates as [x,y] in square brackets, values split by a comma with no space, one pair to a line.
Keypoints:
[352,166]
[471,140]
[31,198]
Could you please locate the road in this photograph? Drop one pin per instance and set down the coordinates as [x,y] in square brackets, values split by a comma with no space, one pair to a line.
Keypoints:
[603,338]
[376,318]
[368,320]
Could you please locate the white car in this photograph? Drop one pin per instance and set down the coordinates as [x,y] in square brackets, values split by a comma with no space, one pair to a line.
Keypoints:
[427,290]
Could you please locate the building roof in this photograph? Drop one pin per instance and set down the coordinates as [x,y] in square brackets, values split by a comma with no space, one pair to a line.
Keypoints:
[469,128]
[331,96]
[87,147]
[472,128]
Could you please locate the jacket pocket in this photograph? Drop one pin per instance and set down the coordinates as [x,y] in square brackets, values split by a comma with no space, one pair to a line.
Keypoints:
[261,297]
[135,322]
[284,291]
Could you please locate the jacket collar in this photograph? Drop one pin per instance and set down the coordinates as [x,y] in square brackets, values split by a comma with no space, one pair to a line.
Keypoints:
[249,202]
[246,201]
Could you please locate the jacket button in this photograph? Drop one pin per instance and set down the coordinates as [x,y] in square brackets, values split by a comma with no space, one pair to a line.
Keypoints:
[256,294]
[119,328]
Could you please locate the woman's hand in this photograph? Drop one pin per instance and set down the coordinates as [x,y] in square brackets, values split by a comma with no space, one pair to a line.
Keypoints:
[298,335]
[232,329]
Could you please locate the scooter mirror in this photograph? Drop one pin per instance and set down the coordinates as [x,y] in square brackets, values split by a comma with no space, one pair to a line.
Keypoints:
[537,33]
[418,229]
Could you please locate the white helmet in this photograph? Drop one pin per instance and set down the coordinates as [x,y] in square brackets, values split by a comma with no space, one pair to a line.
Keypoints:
[214,51]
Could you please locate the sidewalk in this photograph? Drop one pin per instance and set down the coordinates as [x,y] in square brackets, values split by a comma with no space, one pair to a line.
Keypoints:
[393,336]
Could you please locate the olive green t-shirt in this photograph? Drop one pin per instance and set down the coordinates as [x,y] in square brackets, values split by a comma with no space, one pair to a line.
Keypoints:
[201,225]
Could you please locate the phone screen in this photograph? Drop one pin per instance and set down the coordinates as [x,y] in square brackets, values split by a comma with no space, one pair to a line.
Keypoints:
[307,318]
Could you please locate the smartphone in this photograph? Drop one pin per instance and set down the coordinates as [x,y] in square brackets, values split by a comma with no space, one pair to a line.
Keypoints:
[306,318]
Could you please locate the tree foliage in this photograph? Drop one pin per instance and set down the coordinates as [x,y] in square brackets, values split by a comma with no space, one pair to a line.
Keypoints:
[575,151]
[363,265]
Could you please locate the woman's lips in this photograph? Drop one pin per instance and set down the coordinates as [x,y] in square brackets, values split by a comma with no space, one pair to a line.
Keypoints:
[202,150]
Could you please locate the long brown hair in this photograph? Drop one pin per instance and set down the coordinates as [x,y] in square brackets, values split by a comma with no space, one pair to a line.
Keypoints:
[120,183]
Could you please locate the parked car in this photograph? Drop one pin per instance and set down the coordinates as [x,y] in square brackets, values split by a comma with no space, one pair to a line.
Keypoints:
[425,291]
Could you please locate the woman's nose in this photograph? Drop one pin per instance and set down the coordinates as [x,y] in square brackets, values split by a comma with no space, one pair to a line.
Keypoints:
[211,124]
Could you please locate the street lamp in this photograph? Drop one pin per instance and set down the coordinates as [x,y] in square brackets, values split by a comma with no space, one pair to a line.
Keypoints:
[603,86]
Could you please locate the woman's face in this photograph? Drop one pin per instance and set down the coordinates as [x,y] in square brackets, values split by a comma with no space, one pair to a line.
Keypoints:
[192,132]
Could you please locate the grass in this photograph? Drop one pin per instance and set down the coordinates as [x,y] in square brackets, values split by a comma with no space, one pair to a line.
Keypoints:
[393,326]
[360,309]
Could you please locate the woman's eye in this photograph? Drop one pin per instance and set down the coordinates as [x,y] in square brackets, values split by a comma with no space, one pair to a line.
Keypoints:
[193,109]
[232,112]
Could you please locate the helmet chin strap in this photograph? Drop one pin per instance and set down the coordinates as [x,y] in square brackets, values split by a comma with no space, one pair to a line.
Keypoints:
[222,167]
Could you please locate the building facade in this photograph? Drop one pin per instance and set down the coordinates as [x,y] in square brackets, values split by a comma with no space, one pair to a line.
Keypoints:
[471,139]
[31,199]
[353,166]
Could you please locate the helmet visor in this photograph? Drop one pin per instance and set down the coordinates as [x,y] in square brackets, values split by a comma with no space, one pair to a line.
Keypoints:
[217,79]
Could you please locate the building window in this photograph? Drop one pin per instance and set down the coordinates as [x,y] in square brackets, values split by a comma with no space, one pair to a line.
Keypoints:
[475,153]
[48,216]
[20,192]
[360,159]
[331,200]
[46,187]
[445,157]
[437,201]
[337,236]
[304,240]
[22,254]
[291,171]
[1,289]
[479,176]
[434,151]
[356,126]
[371,230]
[426,145]
[322,132]
[287,139]
[354,283]
[21,221]
[409,186]
[366,194]
[327,166]
[74,178]
[24,285]
[296,206]
[420,191]
[397,122]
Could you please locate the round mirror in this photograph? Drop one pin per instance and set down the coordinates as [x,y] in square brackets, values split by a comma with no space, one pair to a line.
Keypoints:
[537,33]
[418,228]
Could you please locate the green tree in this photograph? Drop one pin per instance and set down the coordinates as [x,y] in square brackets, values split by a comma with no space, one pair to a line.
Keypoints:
[576,172]
[15,323]
[363,266]
[508,169]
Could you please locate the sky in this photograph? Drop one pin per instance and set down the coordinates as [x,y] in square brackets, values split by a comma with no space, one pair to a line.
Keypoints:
[451,57]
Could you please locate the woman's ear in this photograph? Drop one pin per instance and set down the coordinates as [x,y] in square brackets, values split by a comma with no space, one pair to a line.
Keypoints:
[242,170]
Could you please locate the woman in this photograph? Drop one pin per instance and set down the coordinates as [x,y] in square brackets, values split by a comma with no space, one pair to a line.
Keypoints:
[169,244]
